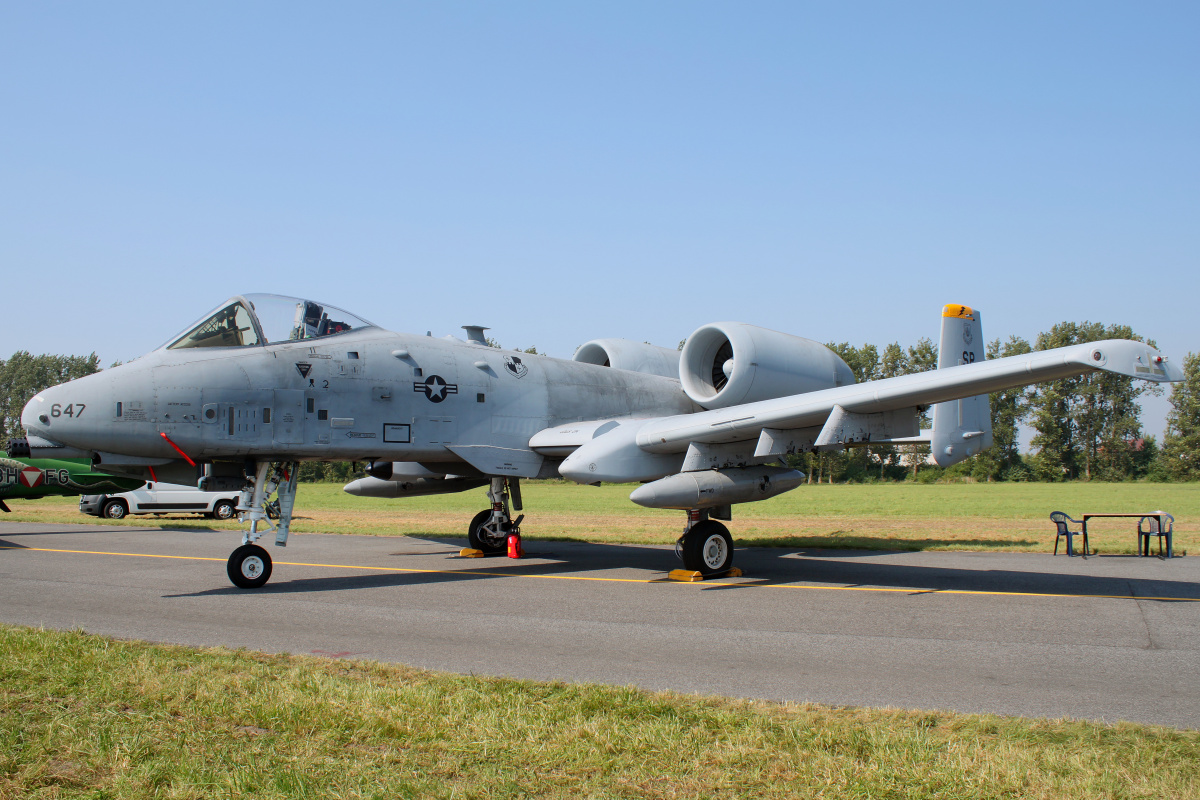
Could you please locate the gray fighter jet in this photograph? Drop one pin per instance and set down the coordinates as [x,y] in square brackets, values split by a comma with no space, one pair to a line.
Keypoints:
[264,381]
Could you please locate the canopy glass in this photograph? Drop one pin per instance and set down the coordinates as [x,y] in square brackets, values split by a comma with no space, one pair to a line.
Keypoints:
[254,319]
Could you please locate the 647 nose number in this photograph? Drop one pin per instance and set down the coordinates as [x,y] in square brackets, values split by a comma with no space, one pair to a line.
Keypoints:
[71,410]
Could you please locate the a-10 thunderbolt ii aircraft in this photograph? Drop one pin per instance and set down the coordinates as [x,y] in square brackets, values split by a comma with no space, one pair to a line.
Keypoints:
[264,381]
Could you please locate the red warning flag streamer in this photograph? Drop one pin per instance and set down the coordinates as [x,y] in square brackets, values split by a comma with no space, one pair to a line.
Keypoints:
[177,450]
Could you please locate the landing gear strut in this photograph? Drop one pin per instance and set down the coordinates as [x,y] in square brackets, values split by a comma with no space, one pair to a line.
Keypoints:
[490,529]
[249,566]
[705,546]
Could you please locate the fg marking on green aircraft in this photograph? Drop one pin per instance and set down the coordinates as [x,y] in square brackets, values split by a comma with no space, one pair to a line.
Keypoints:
[33,478]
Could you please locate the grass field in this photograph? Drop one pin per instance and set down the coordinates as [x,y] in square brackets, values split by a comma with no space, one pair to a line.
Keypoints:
[84,716]
[975,516]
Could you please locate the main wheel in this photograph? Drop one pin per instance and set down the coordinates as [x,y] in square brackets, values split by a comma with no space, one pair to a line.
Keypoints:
[224,509]
[249,567]
[115,509]
[708,548]
[481,538]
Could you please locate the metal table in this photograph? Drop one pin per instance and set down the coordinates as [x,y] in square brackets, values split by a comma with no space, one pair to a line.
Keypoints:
[1159,515]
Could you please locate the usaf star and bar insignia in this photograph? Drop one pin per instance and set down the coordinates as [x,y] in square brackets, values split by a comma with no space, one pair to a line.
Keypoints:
[435,388]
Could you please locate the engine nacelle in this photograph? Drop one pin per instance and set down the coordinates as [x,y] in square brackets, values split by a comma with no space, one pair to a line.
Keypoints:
[727,363]
[629,355]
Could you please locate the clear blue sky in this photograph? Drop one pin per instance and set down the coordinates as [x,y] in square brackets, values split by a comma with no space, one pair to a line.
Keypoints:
[562,171]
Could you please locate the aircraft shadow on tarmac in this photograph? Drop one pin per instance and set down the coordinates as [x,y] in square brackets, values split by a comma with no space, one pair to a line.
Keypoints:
[762,566]
[872,545]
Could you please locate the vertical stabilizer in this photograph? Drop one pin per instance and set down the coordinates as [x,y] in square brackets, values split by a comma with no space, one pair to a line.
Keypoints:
[961,428]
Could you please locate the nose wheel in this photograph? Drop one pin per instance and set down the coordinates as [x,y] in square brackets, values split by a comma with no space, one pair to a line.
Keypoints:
[249,567]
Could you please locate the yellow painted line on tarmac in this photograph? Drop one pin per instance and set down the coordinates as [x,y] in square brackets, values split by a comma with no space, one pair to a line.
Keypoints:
[700,585]
[110,553]
[347,566]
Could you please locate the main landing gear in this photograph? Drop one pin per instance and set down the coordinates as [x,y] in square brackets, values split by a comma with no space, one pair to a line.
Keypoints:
[249,566]
[490,529]
[705,546]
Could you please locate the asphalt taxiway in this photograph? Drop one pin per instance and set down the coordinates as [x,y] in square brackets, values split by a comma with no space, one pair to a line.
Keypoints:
[1103,638]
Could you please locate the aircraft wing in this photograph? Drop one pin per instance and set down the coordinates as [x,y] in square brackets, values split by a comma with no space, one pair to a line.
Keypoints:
[755,432]
[1134,359]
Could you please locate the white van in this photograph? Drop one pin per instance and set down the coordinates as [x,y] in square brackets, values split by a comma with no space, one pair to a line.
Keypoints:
[161,498]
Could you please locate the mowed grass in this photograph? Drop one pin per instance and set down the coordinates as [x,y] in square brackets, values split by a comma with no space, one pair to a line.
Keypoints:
[83,716]
[959,516]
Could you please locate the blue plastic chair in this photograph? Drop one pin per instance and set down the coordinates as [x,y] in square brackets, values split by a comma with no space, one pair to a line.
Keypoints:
[1151,526]
[1060,520]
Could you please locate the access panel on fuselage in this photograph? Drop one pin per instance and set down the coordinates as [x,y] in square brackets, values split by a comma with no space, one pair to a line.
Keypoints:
[287,417]
[234,421]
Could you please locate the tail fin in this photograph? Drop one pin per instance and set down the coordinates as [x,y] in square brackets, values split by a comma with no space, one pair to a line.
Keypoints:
[961,428]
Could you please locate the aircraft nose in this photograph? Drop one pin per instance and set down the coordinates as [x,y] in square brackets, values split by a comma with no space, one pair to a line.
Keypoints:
[67,416]
[37,422]
[35,417]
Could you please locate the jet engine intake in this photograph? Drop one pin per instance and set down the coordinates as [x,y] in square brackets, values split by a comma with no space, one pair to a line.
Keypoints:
[629,355]
[728,363]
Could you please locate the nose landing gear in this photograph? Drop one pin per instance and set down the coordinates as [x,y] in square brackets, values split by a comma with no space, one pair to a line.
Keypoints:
[249,566]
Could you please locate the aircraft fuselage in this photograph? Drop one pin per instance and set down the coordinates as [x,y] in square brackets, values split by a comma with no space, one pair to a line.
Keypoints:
[360,395]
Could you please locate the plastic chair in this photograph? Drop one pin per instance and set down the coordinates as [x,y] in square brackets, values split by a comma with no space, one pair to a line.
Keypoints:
[1060,521]
[1160,525]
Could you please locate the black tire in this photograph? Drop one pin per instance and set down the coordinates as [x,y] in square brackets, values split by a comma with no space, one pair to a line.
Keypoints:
[224,509]
[708,548]
[114,509]
[480,539]
[249,567]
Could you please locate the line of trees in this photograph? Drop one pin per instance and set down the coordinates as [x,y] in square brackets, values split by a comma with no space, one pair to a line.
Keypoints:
[1084,428]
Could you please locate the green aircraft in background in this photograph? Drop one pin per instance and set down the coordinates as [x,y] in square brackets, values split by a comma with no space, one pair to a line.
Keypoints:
[30,478]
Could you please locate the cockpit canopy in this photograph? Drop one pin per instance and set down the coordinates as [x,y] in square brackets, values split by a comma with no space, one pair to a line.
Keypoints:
[254,319]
